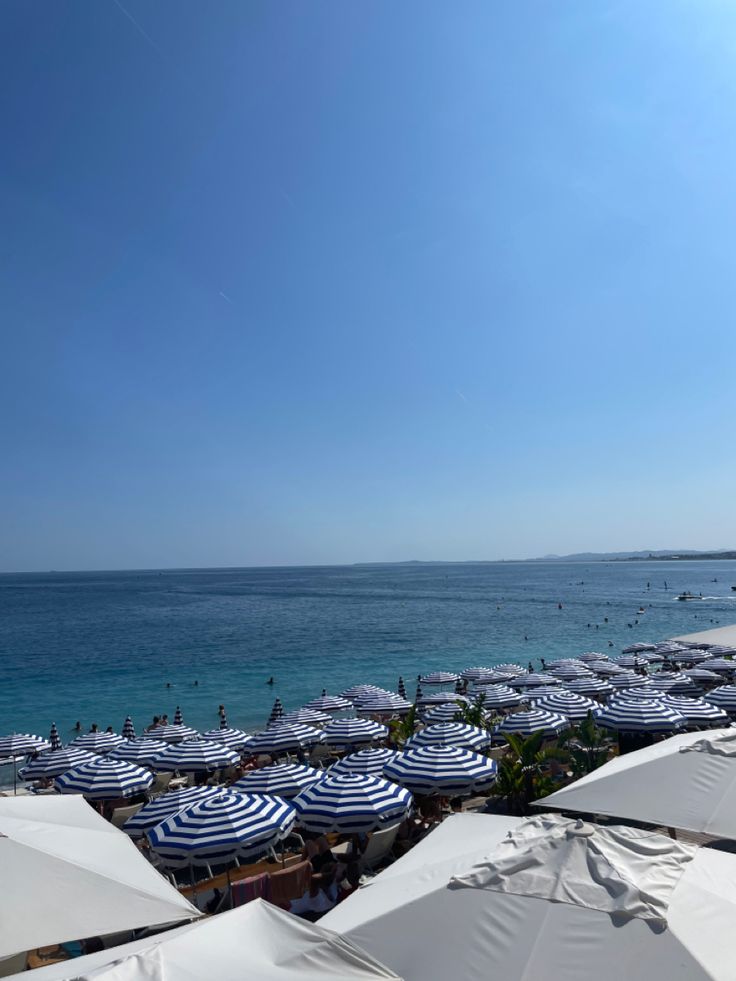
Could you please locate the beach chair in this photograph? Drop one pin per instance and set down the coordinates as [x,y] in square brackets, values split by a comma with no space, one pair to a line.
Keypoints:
[378,848]
[121,814]
[160,784]
[288,884]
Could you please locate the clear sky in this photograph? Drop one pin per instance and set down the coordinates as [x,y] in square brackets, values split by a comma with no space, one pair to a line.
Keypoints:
[312,282]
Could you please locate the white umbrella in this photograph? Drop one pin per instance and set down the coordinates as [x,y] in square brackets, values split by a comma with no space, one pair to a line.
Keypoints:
[67,873]
[552,901]
[257,941]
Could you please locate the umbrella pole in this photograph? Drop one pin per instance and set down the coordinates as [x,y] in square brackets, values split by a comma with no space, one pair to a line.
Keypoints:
[15,777]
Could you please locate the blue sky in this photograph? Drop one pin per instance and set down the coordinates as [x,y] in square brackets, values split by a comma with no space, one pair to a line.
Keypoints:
[298,282]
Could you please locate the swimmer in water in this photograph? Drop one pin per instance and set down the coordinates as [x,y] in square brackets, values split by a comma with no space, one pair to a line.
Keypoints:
[77,726]
[196,684]
[270,680]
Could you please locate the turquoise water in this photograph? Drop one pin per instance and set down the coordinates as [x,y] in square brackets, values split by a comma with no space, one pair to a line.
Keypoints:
[98,646]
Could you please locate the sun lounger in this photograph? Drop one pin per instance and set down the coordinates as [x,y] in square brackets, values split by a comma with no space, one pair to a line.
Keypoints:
[121,814]
[288,884]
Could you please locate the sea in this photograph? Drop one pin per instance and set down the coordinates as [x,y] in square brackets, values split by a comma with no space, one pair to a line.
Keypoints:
[95,647]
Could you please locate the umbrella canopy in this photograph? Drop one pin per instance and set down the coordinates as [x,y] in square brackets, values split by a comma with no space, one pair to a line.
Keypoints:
[638,648]
[128,728]
[535,720]
[401,688]
[351,694]
[696,711]
[353,732]
[232,738]
[570,671]
[104,779]
[163,806]
[639,715]
[701,675]
[442,698]
[573,706]
[54,737]
[274,945]
[538,905]
[592,657]
[496,677]
[510,668]
[140,751]
[222,828]
[97,742]
[500,696]
[307,717]
[178,718]
[174,733]
[589,686]
[328,703]
[606,669]
[284,737]
[450,734]
[370,761]
[384,705]
[724,697]
[694,774]
[439,678]
[627,679]
[691,657]
[280,779]
[441,713]
[276,712]
[447,770]
[21,744]
[195,756]
[476,674]
[645,690]
[674,682]
[53,763]
[721,665]
[352,803]
[534,680]
[68,873]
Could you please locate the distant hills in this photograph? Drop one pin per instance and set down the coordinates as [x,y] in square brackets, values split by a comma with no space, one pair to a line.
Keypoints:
[660,555]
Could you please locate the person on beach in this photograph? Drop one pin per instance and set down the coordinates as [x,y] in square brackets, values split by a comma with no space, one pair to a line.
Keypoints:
[154,725]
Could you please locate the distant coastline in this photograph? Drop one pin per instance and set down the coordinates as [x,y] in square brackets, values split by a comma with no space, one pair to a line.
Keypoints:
[661,555]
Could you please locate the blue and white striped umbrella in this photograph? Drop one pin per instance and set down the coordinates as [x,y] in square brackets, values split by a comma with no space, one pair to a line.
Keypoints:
[568,703]
[701,675]
[352,803]
[441,698]
[174,733]
[178,719]
[105,779]
[638,648]
[21,744]
[639,715]
[282,738]
[195,756]
[606,669]
[534,680]
[589,686]
[630,660]
[476,674]
[328,703]
[447,770]
[442,713]
[496,678]
[533,694]
[697,711]
[54,738]
[276,712]
[570,671]
[307,717]
[370,696]
[592,657]
[692,657]
[721,665]
[384,705]
[232,738]
[140,751]
[351,694]
[222,828]
[627,679]
[279,780]
[500,696]
[163,806]
[439,678]
[97,742]
[718,650]
[724,697]
[674,683]
[353,732]
[370,761]
[535,720]
[54,762]
[128,728]
[450,734]
[646,690]
[510,668]
[401,688]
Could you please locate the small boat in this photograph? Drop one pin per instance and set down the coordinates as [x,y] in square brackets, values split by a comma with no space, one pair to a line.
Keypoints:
[640,611]
[687,596]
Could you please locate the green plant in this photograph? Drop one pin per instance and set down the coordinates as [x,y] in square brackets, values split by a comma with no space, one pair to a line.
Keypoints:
[402,729]
[523,773]
[587,747]
[473,714]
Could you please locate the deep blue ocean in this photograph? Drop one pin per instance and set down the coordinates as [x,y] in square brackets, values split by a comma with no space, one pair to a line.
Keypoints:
[95,647]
